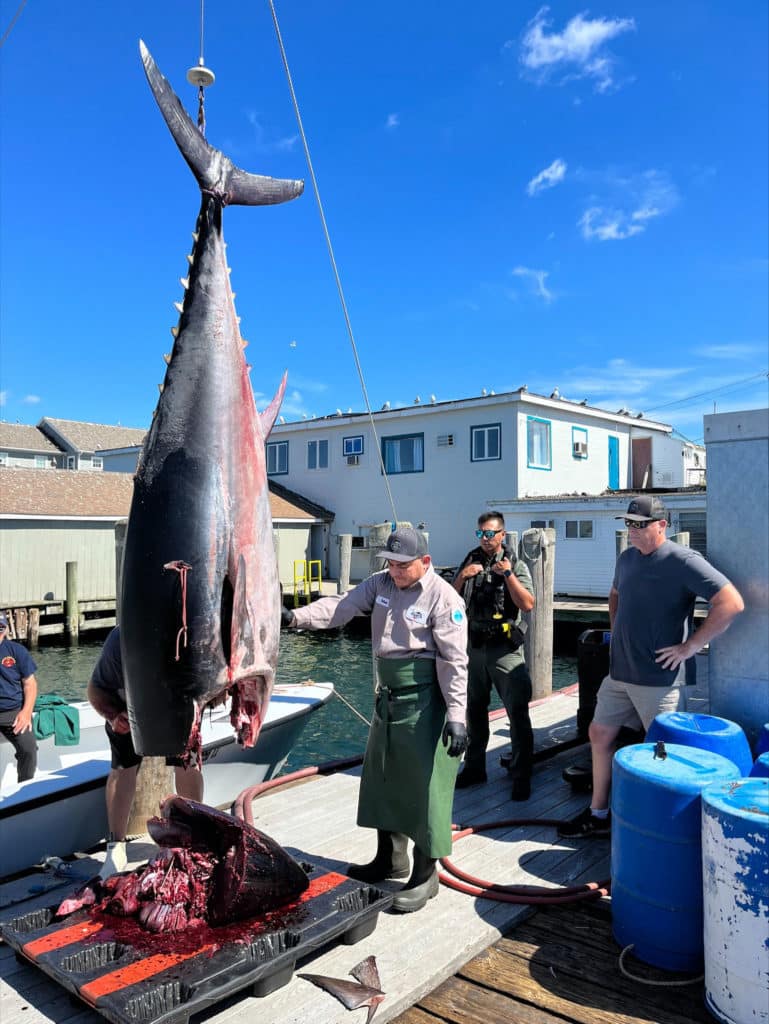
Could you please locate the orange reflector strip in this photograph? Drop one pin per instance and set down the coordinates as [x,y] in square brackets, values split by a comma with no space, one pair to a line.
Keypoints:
[325,883]
[134,973]
[63,937]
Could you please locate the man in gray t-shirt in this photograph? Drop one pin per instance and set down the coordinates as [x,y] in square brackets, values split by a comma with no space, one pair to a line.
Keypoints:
[651,607]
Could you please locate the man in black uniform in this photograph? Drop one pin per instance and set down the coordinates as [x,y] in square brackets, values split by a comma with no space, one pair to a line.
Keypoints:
[496,586]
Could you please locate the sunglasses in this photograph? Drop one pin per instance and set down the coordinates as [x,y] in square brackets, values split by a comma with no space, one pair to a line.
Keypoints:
[487,534]
[633,525]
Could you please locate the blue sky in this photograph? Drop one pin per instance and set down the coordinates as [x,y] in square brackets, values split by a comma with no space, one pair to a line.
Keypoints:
[549,196]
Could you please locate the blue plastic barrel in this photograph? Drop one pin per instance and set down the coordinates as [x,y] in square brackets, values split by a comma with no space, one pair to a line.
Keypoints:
[762,745]
[760,769]
[706,732]
[656,860]
[735,876]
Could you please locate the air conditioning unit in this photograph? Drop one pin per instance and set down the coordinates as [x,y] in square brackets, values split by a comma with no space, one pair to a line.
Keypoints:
[353,460]
[579,448]
[445,440]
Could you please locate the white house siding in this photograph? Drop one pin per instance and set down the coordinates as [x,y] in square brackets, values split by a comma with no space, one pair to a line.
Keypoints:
[453,489]
[120,462]
[34,553]
[584,567]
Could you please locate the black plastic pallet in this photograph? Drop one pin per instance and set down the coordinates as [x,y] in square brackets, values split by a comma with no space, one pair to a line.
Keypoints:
[133,977]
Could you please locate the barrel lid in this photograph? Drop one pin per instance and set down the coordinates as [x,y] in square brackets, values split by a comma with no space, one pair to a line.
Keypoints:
[687,769]
[744,798]
[697,722]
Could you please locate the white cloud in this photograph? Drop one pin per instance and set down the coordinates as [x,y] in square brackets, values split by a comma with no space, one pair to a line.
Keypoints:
[628,204]
[3,397]
[393,121]
[729,350]
[576,52]
[547,178]
[31,399]
[537,279]
[264,144]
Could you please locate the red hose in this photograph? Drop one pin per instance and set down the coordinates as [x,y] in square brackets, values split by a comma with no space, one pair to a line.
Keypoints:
[452,876]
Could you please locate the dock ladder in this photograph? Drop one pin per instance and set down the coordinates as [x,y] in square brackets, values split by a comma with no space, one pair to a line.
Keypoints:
[306,572]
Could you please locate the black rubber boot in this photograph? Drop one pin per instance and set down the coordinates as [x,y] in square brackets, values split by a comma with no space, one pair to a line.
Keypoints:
[421,886]
[391,860]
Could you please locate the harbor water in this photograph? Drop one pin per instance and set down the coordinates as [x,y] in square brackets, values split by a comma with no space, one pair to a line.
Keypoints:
[334,732]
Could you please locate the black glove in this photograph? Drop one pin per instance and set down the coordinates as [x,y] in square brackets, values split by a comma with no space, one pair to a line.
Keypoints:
[455,738]
[287,619]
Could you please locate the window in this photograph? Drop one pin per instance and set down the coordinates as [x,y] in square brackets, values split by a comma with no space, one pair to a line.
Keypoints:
[485,442]
[277,458]
[72,462]
[578,443]
[579,529]
[538,443]
[97,462]
[358,542]
[41,462]
[541,524]
[404,453]
[3,458]
[695,524]
[317,454]
[352,445]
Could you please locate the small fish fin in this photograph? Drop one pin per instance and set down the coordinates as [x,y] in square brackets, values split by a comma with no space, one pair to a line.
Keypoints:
[270,414]
[366,973]
[349,993]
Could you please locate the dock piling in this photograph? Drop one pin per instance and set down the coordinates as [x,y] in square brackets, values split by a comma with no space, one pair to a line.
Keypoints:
[71,609]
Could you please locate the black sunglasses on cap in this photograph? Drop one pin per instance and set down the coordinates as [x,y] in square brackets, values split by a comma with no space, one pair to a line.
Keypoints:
[634,524]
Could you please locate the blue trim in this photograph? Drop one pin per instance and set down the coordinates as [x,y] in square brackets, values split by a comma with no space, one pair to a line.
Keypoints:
[538,419]
[486,426]
[355,450]
[575,439]
[276,446]
[402,437]
[613,463]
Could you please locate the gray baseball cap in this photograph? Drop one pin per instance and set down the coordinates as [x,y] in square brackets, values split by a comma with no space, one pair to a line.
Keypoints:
[404,545]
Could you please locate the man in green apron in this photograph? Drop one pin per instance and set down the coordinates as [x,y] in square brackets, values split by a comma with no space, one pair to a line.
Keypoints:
[417,734]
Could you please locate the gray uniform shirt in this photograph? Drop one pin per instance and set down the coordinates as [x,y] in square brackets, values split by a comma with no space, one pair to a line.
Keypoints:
[426,620]
[655,607]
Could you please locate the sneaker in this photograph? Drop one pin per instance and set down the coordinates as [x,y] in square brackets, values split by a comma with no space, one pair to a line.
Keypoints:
[586,826]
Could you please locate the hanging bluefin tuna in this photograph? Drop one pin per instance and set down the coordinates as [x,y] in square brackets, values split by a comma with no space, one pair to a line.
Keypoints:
[200,606]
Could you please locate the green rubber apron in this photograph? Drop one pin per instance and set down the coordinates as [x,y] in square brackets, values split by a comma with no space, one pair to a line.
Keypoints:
[407,784]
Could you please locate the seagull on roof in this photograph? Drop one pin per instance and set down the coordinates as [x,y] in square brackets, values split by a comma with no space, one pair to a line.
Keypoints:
[386,406]
[555,393]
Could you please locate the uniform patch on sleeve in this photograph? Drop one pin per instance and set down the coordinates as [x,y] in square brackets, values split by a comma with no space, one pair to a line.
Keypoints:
[457,616]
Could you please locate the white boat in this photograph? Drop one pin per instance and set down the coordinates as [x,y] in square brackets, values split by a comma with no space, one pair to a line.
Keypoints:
[62,809]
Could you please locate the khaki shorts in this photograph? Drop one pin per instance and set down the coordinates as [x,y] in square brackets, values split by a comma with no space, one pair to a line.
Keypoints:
[635,706]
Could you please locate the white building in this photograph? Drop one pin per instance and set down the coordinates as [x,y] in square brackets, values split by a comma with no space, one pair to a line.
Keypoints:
[444,460]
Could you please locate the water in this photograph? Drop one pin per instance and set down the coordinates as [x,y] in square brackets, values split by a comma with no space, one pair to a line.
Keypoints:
[333,732]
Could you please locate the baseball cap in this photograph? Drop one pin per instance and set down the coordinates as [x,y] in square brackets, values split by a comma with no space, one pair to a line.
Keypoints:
[404,545]
[645,506]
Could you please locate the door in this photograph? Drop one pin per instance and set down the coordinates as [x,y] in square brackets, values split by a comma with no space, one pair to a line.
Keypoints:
[613,463]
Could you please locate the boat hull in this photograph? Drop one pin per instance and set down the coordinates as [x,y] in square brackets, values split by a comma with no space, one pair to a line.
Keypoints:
[62,810]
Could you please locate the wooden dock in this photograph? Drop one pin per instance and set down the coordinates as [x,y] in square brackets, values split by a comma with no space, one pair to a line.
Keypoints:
[460,958]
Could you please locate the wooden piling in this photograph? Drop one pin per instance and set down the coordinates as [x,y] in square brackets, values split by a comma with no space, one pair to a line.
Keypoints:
[538,552]
[34,628]
[345,558]
[71,609]
[154,782]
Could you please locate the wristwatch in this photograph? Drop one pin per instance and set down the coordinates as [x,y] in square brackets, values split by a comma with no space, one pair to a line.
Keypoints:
[507,573]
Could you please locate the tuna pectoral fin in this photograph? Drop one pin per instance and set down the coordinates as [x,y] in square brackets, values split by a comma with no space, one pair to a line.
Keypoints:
[366,973]
[349,993]
[270,414]
[214,171]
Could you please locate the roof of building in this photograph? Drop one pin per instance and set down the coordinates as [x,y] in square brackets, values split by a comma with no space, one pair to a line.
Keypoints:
[94,437]
[86,494]
[22,437]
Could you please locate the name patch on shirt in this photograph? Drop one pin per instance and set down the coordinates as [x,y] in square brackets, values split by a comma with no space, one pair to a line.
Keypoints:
[384,601]
[414,614]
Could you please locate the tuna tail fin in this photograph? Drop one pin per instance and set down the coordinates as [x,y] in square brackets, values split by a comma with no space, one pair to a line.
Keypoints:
[270,414]
[214,171]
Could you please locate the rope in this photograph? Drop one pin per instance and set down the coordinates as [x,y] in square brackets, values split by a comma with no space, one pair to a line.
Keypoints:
[354,710]
[182,568]
[201,91]
[330,248]
[13,21]
[650,981]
